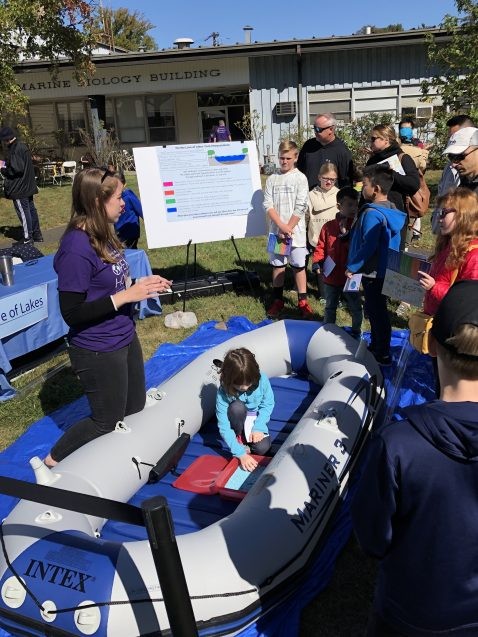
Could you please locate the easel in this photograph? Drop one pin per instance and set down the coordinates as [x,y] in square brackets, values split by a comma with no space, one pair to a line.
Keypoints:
[186,271]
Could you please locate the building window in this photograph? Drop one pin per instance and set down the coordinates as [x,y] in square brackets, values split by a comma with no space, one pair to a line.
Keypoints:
[71,117]
[336,102]
[130,119]
[161,119]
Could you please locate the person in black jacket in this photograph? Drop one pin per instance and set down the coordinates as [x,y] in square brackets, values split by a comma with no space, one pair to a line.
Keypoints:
[20,184]
[325,147]
[385,147]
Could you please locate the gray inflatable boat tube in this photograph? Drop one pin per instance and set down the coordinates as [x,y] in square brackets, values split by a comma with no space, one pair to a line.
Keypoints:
[232,566]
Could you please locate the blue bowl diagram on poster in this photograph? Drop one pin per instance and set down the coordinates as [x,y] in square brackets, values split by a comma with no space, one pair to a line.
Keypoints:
[227,159]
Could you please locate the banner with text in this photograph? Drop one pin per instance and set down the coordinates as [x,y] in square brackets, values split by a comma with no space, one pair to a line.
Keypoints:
[22,309]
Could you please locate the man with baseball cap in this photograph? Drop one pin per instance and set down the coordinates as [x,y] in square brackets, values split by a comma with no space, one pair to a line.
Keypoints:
[416,504]
[20,184]
[461,152]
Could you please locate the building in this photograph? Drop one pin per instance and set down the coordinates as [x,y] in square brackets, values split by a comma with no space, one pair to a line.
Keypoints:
[175,96]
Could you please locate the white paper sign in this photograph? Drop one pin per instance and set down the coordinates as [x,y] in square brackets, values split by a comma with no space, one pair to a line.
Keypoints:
[352,284]
[200,192]
[22,309]
[394,163]
[403,288]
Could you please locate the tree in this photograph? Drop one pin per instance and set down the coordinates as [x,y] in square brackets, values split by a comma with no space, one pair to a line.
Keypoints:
[45,30]
[125,29]
[454,61]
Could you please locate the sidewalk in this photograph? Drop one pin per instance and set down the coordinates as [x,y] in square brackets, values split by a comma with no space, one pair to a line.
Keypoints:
[52,235]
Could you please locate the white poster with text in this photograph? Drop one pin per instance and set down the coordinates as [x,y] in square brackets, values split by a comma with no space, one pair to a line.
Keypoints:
[200,192]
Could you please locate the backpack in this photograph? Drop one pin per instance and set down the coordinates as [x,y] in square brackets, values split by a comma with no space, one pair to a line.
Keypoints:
[417,205]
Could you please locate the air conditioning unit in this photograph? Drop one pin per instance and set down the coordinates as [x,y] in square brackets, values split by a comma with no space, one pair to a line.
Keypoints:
[424,112]
[283,109]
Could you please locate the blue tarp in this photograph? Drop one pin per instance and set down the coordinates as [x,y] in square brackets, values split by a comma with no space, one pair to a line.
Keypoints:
[408,381]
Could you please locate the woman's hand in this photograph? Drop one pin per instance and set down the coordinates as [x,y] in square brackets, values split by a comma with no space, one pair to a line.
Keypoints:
[144,288]
[247,462]
[425,280]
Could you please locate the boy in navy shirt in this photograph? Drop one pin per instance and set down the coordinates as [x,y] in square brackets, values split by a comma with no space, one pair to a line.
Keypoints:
[415,506]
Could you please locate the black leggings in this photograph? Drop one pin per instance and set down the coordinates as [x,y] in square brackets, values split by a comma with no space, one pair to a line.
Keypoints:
[115,387]
[237,413]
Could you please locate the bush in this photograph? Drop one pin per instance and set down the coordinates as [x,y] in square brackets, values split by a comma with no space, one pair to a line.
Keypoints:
[356,134]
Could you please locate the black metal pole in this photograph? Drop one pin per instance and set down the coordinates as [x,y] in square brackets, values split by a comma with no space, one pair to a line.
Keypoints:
[159,524]
[241,262]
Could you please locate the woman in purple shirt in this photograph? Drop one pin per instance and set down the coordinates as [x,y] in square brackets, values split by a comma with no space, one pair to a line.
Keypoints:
[96,300]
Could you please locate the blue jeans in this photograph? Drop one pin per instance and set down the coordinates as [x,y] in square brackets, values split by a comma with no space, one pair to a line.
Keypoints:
[115,387]
[332,295]
[376,308]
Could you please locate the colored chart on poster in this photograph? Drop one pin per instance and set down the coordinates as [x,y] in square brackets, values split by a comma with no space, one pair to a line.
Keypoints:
[200,192]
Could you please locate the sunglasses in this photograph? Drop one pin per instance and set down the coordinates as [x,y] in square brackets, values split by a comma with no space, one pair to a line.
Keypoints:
[460,156]
[442,212]
[374,139]
[318,129]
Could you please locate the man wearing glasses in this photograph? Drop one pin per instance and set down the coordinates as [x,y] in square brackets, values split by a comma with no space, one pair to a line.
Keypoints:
[461,152]
[325,147]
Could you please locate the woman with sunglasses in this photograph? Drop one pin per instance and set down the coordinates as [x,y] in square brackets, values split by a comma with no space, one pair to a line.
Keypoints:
[384,146]
[244,403]
[455,256]
[97,299]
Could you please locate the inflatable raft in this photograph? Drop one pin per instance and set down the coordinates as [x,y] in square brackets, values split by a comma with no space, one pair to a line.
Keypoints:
[59,576]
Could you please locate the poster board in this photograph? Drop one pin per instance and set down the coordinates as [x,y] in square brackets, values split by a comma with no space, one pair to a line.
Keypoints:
[200,192]
[401,277]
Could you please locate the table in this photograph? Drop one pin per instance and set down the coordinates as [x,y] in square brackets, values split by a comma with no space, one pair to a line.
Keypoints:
[32,273]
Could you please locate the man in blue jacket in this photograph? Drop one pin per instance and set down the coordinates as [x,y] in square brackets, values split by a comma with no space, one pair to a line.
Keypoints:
[20,184]
[375,231]
[416,504]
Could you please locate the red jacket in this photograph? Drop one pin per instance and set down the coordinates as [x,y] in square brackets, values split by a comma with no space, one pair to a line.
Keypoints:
[334,243]
[444,276]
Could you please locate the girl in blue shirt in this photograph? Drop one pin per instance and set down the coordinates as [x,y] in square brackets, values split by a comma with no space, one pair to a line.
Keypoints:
[244,392]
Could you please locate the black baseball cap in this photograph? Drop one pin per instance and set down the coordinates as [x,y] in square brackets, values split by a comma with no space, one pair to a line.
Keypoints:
[6,133]
[458,307]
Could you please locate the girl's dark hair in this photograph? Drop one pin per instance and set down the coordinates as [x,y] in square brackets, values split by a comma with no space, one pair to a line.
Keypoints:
[239,368]
[92,187]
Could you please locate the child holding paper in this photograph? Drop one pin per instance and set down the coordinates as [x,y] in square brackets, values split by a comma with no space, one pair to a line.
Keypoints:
[376,229]
[244,398]
[285,202]
[330,260]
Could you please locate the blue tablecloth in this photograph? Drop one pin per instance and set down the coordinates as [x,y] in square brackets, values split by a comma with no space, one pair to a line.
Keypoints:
[32,273]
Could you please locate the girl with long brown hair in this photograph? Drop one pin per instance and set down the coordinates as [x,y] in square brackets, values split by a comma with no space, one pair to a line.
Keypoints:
[456,250]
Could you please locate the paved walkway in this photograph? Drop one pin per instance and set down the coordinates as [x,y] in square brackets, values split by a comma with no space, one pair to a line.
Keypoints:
[50,236]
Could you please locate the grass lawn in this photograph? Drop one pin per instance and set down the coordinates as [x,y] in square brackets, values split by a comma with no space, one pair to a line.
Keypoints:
[342,609]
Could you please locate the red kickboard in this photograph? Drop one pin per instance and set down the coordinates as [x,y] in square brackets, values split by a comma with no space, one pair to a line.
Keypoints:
[201,476]
[209,475]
